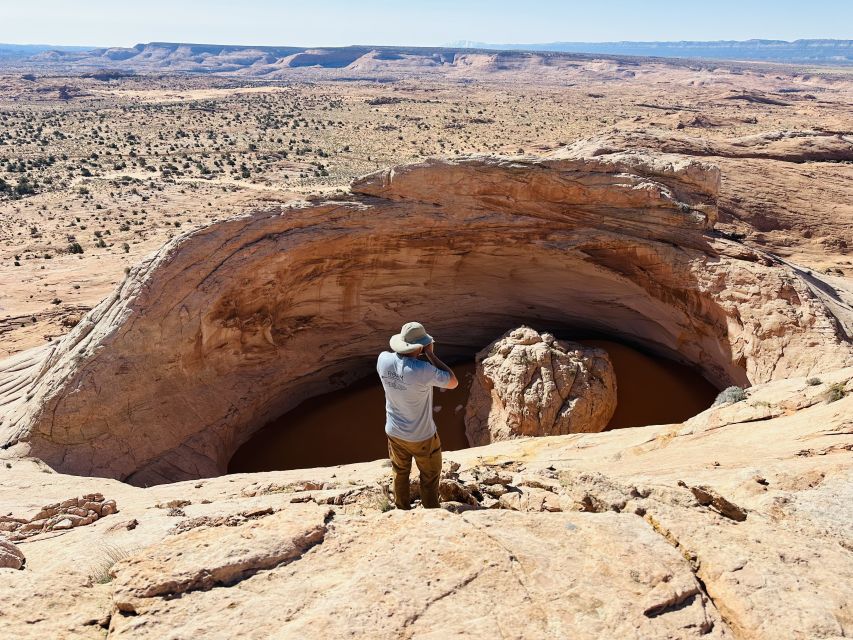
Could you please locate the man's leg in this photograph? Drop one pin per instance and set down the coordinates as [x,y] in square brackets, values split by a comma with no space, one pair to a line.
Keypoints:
[401,462]
[428,459]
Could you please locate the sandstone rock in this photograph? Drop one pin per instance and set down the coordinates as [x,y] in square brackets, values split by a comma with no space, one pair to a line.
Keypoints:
[529,384]
[477,574]
[596,493]
[707,497]
[793,146]
[538,482]
[458,507]
[204,558]
[495,490]
[173,504]
[127,525]
[530,499]
[680,571]
[220,313]
[489,502]
[72,512]
[482,475]
[452,491]
[11,557]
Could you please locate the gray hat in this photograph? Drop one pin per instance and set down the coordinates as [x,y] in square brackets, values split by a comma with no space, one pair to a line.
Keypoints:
[411,336]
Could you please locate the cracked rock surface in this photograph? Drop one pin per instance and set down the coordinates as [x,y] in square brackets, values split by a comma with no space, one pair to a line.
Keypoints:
[527,384]
[735,524]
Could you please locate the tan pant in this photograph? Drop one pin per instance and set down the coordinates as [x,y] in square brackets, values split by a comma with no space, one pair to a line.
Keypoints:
[427,455]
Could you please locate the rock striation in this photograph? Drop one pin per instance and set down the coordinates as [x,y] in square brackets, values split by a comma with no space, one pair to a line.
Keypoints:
[529,384]
[231,325]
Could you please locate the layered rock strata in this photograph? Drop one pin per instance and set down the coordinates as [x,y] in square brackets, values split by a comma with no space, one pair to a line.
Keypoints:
[60,516]
[231,325]
[527,384]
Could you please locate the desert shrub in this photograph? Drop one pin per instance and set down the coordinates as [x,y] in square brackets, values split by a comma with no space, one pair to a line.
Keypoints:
[836,392]
[813,382]
[24,187]
[383,503]
[109,555]
[730,395]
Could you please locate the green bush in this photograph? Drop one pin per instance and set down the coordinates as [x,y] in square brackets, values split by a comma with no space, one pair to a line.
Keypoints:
[24,187]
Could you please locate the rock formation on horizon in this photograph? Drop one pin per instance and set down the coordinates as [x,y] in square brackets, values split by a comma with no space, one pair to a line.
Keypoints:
[530,384]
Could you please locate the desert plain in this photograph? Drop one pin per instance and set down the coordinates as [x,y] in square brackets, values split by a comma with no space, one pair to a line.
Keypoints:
[167,235]
[122,164]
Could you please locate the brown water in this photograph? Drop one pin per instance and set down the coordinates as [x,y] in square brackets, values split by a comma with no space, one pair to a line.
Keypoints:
[348,425]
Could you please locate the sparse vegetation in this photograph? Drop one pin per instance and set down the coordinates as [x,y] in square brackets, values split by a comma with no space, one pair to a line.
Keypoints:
[383,503]
[730,395]
[118,163]
[836,392]
[108,556]
[813,382]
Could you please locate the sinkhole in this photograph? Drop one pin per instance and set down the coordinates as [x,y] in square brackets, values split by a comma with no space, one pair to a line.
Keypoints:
[347,425]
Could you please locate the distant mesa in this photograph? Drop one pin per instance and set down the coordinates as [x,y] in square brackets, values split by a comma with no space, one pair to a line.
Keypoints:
[823,51]
[273,62]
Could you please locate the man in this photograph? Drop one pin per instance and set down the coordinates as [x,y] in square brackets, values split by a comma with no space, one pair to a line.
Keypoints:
[408,383]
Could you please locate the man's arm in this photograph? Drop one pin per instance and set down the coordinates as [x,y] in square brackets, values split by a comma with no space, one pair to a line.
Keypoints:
[438,364]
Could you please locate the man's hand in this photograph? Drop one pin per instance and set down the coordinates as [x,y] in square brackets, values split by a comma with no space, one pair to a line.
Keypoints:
[434,360]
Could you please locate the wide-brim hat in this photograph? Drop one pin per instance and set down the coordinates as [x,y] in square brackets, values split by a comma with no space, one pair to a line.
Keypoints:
[411,336]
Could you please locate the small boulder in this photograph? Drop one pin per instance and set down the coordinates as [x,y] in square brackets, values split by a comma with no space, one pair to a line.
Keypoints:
[529,499]
[11,556]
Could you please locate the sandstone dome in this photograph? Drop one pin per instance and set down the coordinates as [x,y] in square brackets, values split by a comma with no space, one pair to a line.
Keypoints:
[230,325]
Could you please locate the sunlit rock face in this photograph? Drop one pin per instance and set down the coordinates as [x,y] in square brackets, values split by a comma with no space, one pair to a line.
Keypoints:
[231,325]
[529,384]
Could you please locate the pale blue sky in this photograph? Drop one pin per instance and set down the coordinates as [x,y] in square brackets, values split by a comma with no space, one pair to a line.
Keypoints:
[436,22]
